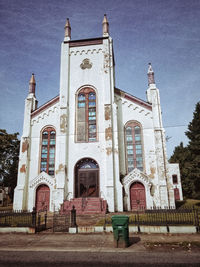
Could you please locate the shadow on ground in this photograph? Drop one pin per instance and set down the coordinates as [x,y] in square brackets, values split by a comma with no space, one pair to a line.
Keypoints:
[134,240]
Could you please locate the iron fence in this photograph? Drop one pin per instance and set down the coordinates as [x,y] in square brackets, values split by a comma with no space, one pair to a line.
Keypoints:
[56,222]
[163,217]
[16,219]
[40,221]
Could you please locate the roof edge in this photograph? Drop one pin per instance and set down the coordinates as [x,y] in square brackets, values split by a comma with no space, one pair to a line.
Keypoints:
[133,98]
[45,106]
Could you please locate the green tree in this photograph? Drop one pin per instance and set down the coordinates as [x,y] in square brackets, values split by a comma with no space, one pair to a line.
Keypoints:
[189,158]
[9,157]
[193,135]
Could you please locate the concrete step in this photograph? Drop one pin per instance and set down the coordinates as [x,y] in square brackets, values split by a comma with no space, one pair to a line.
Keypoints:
[85,205]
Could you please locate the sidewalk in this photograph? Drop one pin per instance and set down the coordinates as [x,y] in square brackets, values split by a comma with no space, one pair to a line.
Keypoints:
[98,242]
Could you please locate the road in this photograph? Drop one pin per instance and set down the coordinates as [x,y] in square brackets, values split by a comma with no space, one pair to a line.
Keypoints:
[79,258]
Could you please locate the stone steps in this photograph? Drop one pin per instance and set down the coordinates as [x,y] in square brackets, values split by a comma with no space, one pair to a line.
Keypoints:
[85,206]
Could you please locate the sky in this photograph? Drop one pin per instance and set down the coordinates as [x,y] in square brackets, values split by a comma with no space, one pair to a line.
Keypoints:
[163,32]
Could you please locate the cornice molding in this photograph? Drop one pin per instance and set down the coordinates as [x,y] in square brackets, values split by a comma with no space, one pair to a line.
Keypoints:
[133,99]
[85,51]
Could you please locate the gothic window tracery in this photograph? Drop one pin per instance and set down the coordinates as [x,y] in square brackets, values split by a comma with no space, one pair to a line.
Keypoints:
[47,163]
[86,116]
[134,150]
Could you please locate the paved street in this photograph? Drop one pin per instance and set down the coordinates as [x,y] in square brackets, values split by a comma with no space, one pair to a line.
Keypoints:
[63,258]
[97,250]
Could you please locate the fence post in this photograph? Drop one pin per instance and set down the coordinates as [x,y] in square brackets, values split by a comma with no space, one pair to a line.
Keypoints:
[196,218]
[45,219]
[34,217]
[73,217]
[197,214]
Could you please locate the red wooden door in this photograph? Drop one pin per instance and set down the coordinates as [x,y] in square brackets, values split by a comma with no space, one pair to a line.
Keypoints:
[176,194]
[137,196]
[42,198]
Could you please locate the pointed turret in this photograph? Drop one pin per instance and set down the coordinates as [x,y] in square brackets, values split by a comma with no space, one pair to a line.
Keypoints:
[150,74]
[105,26]
[67,31]
[32,85]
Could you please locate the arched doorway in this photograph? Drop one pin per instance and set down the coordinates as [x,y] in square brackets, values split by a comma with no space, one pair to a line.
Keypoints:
[42,198]
[137,196]
[86,178]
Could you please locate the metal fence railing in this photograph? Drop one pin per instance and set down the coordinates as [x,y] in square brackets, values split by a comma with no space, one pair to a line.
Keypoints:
[56,222]
[163,217]
[16,219]
[41,220]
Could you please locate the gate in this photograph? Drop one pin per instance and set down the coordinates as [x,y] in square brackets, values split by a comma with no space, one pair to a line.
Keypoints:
[53,222]
[40,221]
[61,223]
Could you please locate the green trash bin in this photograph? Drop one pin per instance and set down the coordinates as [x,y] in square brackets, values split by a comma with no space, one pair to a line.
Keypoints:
[120,230]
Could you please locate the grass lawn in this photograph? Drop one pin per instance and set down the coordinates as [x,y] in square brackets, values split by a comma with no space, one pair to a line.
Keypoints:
[188,203]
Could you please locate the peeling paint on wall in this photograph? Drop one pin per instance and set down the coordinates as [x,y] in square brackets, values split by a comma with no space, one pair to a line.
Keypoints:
[63,123]
[116,151]
[25,146]
[60,168]
[153,170]
[107,112]
[108,133]
[23,168]
[108,150]
[106,62]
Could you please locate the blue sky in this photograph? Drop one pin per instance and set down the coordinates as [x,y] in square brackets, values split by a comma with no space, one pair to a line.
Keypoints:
[165,33]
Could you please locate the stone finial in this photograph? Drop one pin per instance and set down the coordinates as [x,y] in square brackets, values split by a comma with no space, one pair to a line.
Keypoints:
[67,30]
[32,84]
[105,26]
[150,74]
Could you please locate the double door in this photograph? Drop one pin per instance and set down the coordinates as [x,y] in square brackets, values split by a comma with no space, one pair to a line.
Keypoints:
[87,183]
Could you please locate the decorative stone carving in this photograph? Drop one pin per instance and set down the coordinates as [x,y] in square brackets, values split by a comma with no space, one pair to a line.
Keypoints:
[136,175]
[46,113]
[106,62]
[86,64]
[86,52]
[43,177]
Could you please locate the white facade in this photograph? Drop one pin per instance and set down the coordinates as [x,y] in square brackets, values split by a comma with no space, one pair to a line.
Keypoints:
[90,64]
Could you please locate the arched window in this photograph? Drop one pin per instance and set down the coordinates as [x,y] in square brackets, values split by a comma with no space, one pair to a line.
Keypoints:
[86,116]
[133,140]
[48,151]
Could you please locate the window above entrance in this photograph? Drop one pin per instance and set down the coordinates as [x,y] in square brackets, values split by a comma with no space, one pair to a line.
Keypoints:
[87,164]
[86,128]
[134,149]
[47,163]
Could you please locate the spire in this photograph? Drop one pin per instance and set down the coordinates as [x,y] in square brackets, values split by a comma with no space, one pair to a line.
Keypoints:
[32,85]
[150,74]
[67,30]
[105,26]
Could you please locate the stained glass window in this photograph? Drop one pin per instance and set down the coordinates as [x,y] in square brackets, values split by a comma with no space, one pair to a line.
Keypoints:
[86,116]
[48,151]
[134,153]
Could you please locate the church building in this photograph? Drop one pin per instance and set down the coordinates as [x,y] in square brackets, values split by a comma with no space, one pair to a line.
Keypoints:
[94,146]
